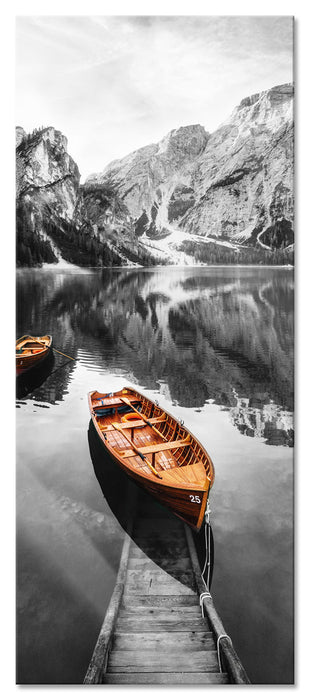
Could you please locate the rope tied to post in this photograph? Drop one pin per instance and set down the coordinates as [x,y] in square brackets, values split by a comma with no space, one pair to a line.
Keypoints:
[202,596]
[207,564]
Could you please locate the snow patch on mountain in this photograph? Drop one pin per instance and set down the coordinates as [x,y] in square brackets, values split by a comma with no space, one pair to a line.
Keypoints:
[168,247]
[61,262]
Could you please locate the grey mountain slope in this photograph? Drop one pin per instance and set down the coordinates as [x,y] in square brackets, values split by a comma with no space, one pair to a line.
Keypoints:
[227,184]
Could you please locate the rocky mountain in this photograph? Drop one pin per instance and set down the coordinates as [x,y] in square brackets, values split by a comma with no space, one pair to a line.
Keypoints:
[47,185]
[153,179]
[193,197]
[232,187]
[244,180]
[59,220]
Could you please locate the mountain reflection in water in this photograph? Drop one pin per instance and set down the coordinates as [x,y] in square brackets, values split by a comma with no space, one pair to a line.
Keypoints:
[207,335]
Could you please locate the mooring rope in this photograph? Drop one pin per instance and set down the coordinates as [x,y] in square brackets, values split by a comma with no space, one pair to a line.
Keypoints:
[207,564]
[206,593]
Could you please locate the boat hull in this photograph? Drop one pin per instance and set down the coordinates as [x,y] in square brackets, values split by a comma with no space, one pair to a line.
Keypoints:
[177,500]
[188,498]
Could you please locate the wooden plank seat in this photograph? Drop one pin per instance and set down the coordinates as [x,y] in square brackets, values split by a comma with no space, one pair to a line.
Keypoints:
[132,424]
[159,447]
[112,401]
[37,346]
[193,474]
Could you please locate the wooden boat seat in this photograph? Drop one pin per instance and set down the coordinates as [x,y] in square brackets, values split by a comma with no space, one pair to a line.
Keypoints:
[111,402]
[193,474]
[132,424]
[112,399]
[159,447]
[38,346]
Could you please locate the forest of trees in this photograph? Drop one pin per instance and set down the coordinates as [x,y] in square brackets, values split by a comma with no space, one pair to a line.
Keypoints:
[80,248]
[279,235]
[31,249]
[215,254]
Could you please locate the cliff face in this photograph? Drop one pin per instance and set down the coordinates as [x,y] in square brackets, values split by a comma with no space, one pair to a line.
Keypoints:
[44,163]
[235,185]
[47,183]
[156,177]
[105,230]
[244,180]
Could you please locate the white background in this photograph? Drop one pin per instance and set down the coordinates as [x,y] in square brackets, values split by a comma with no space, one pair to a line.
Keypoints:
[302,320]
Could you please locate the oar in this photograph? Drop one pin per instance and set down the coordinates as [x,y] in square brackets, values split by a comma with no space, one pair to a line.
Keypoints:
[145,420]
[116,427]
[62,353]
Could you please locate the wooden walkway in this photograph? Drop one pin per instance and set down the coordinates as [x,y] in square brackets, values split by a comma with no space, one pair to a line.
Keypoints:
[154,632]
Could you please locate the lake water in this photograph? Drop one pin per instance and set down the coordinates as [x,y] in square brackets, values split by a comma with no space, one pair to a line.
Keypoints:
[215,347]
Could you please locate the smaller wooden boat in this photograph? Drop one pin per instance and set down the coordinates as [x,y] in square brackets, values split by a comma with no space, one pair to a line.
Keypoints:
[31,351]
[155,450]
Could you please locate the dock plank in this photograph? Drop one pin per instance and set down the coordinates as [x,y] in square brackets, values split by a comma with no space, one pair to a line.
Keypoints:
[159,588]
[176,612]
[160,538]
[162,640]
[158,553]
[147,624]
[133,661]
[165,678]
[160,576]
[160,601]
[159,583]
[182,564]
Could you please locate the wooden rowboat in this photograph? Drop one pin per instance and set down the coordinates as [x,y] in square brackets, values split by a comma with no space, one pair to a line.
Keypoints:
[155,450]
[30,351]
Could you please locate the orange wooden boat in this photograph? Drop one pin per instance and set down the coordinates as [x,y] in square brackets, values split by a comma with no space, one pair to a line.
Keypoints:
[30,351]
[155,450]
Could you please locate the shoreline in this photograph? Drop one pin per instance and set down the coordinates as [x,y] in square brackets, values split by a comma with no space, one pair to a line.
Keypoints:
[78,268]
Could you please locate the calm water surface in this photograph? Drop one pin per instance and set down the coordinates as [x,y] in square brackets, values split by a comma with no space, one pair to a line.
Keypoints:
[215,347]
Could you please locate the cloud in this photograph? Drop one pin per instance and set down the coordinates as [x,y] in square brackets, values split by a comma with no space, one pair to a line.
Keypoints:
[123,79]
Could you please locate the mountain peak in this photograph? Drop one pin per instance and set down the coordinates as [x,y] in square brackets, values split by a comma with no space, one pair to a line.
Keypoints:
[191,140]
[277,95]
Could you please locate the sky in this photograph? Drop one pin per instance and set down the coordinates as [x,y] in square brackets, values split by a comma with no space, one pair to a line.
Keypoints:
[115,84]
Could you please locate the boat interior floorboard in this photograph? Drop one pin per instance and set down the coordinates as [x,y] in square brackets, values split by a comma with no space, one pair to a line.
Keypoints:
[141,436]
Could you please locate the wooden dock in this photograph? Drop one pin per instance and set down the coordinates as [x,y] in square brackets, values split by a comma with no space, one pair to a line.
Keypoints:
[154,632]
